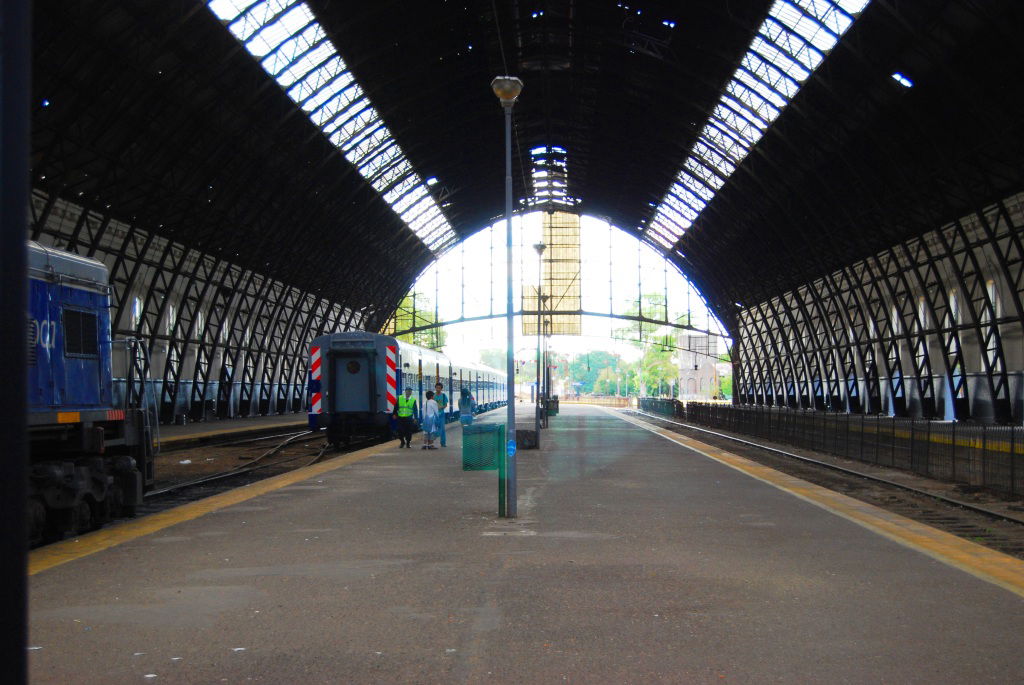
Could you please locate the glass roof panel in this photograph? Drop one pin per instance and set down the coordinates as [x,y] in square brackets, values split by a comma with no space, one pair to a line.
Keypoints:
[754,101]
[767,79]
[671,226]
[306,60]
[293,48]
[313,85]
[676,217]
[289,51]
[791,43]
[548,177]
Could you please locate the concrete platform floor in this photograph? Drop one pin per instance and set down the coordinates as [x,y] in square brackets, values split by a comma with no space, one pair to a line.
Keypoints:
[635,559]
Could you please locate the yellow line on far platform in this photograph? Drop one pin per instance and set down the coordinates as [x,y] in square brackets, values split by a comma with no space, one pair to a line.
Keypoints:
[229,431]
[62,552]
[987,564]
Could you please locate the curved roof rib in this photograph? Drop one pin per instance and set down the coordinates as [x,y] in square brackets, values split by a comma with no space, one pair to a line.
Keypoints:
[293,48]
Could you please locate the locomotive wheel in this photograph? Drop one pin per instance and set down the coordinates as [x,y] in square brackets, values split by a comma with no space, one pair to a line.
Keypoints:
[36,521]
[115,502]
[56,525]
[81,518]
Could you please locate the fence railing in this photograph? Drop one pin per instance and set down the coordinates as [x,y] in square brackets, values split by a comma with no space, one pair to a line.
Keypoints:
[600,401]
[985,456]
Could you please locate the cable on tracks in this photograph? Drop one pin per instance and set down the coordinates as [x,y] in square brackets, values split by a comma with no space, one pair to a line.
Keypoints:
[238,470]
[254,466]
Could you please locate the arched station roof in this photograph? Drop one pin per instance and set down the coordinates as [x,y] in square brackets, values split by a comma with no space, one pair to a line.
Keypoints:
[379,143]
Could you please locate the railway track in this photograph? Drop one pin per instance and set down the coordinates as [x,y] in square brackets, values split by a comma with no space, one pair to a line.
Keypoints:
[259,463]
[290,452]
[973,521]
[225,441]
[278,459]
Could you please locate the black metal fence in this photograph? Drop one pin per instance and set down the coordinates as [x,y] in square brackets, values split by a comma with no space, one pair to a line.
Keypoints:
[973,454]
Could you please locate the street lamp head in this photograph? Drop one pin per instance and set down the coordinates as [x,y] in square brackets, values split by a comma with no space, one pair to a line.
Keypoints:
[540,247]
[507,88]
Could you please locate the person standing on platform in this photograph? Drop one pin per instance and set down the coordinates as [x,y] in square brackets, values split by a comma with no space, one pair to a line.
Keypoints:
[442,404]
[431,414]
[467,405]
[405,410]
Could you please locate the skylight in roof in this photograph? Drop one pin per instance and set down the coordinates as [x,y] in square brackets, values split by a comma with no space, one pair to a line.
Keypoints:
[548,177]
[293,48]
[788,47]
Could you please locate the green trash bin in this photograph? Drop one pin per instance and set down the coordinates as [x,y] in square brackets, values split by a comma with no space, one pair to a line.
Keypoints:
[552,406]
[482,445]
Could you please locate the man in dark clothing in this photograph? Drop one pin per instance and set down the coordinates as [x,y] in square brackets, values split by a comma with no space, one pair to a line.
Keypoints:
[405,412]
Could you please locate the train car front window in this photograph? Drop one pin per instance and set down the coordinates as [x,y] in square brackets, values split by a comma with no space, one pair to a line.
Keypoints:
[80,333]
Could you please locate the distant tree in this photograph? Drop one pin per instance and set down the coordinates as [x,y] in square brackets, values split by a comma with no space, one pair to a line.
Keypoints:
[586,368]
[656,369]
[652,306]
[725,386]
[607,381]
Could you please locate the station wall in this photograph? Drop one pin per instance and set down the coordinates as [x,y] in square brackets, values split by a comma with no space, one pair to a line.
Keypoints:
[223,340]
[932,327]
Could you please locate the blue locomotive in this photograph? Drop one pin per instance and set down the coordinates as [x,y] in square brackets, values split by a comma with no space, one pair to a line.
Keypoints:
[355,379]
[92,453]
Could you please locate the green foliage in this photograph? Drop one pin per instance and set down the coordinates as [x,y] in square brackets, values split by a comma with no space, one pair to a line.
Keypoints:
[725,386]
[586,368]
[641,333]
[656,369]
[637,332]
[418,310]
[608,381]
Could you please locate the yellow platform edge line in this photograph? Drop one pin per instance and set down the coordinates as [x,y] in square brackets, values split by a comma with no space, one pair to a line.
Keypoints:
[981,562]
[230,431]
[69,550]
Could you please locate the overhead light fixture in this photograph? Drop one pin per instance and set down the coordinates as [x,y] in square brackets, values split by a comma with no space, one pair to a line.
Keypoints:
[902,80]
[507,88]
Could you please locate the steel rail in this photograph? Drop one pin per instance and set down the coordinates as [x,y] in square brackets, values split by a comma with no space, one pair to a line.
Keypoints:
[238,470]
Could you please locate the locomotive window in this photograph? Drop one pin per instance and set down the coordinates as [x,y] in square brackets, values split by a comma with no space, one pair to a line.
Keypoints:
[353,367]
[80,333]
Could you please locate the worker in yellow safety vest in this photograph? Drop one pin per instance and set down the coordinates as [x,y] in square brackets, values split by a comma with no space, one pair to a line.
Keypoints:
[405,411]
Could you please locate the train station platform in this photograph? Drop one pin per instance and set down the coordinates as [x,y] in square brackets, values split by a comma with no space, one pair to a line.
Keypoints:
[175,435]
[638,556]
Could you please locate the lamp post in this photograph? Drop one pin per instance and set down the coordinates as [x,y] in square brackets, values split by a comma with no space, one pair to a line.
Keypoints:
[539,247]
[547,365]
[507,88]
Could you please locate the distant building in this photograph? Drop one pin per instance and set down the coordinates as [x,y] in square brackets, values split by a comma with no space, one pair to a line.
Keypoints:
[697,358]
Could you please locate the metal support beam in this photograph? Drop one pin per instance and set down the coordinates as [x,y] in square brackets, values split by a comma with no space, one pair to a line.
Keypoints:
[15,59]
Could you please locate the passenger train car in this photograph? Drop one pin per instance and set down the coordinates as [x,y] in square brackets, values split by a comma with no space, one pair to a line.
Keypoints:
[91,452]
[355,379]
